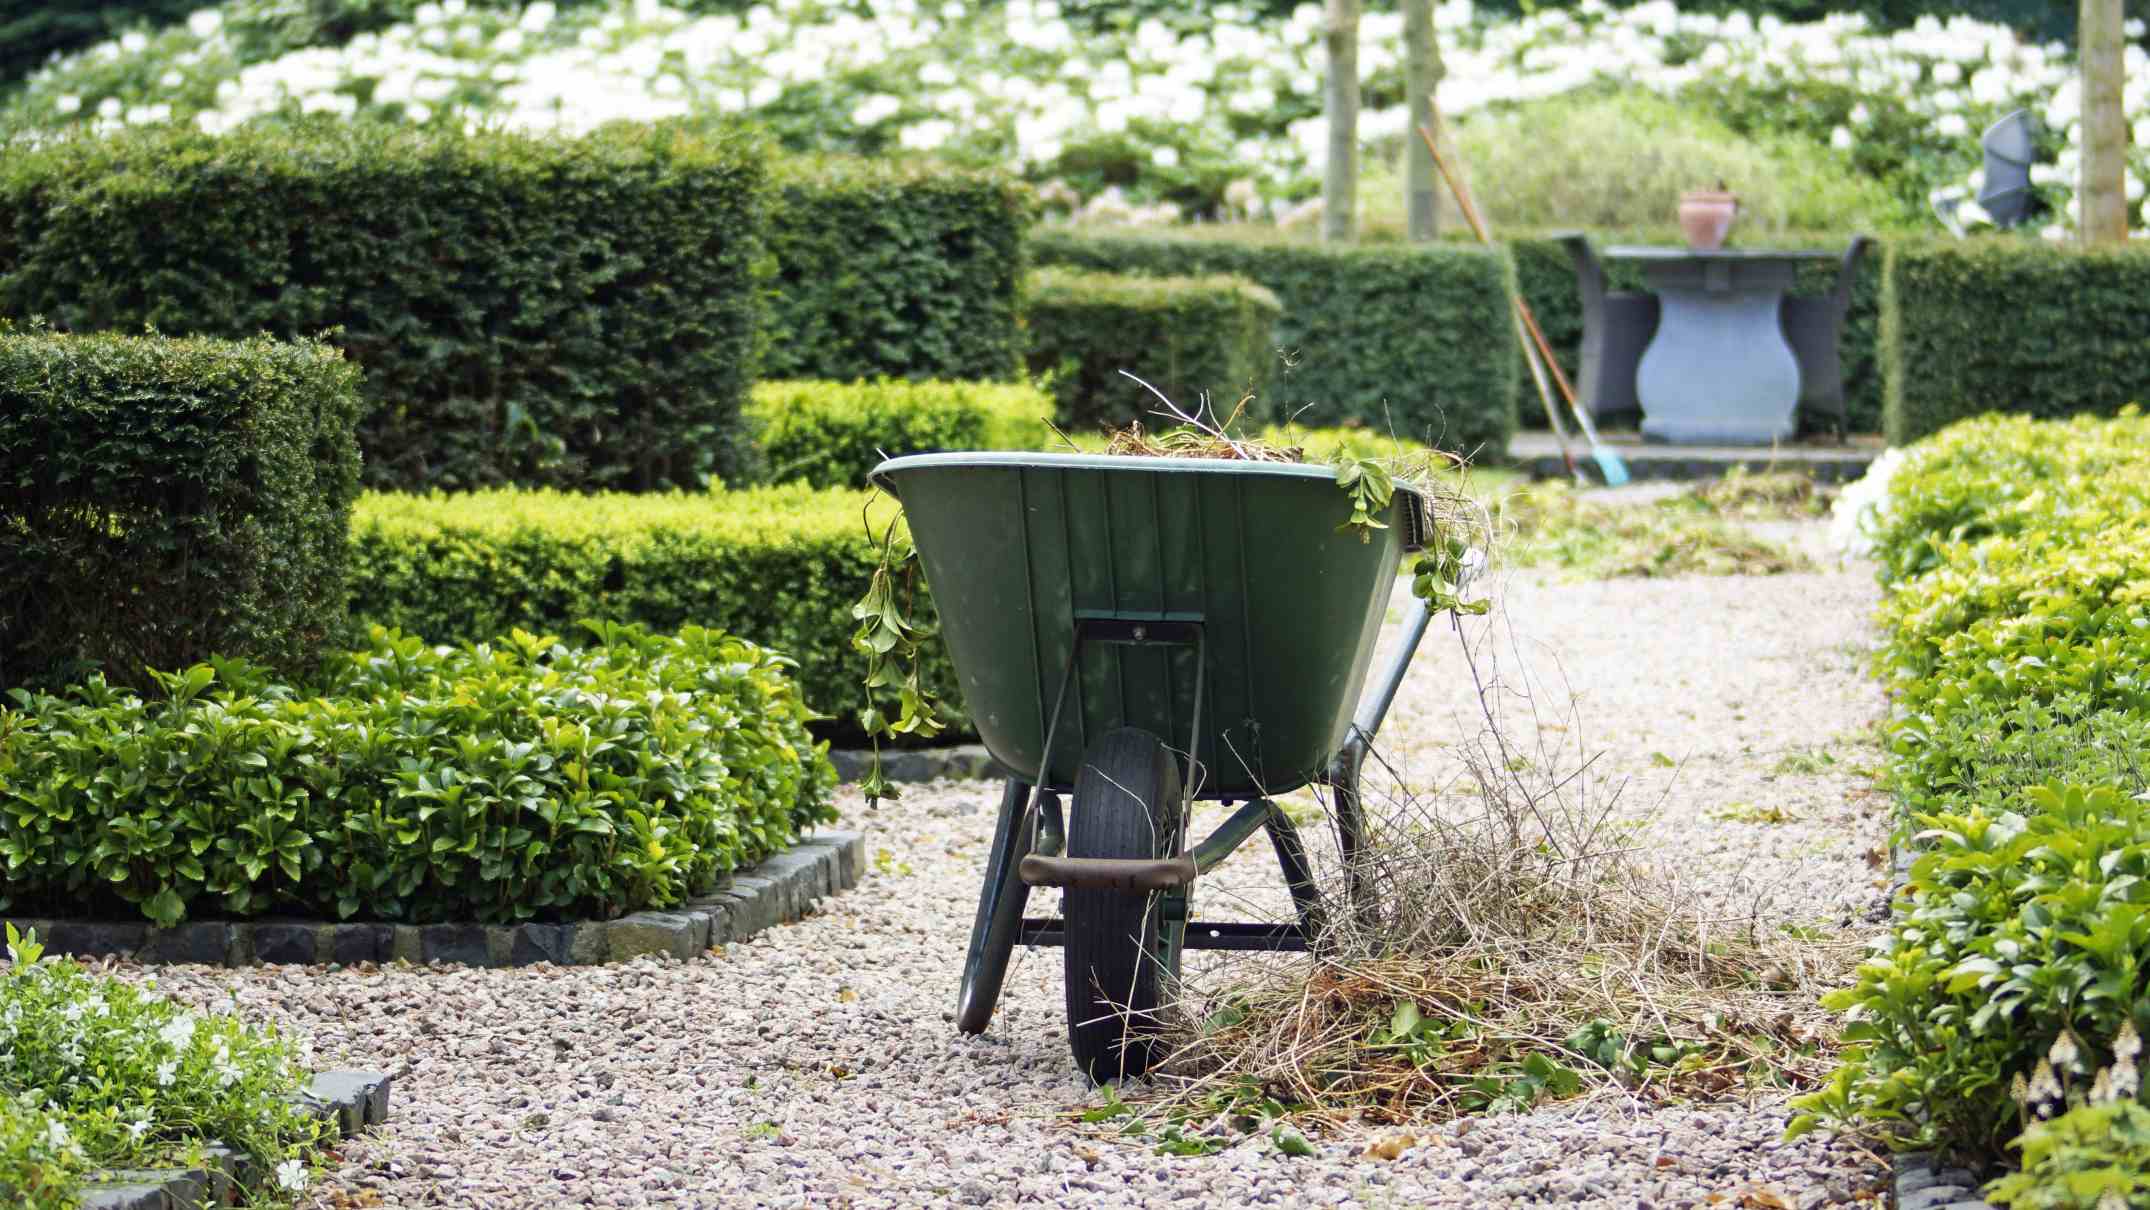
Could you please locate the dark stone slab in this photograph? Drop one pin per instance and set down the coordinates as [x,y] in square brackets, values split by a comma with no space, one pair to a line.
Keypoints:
[530,943]
[285,942]
[179,1188]
[354,943]
[760,905]
[960,761]
[670,934]
[1537,454]
[1923,1184]
[206,942]
[357,1098]
[94,939]
[804,871]
[128,1196]
[464,943]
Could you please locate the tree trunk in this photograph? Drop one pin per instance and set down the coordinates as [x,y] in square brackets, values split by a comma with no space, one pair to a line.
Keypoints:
[1422,74]
[2103,189]
[1340,182]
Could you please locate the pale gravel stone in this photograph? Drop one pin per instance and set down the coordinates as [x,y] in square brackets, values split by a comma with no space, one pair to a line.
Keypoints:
[817,1065]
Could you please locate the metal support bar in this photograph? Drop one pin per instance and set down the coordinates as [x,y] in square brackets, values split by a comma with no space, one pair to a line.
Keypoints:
[1230,834]
[1219,935]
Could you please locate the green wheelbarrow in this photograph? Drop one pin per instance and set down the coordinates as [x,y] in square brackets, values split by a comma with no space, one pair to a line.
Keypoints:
[1132,635]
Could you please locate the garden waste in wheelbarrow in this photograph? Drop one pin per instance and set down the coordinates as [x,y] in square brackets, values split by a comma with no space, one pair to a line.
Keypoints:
[1135,634]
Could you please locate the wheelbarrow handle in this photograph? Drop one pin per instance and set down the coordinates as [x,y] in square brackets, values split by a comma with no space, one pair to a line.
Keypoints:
[1138,875]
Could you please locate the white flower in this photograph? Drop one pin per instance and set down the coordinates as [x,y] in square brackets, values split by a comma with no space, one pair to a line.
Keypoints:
[537,17]
[1951,126]
[1840,138]
[67,103]
[203,22]
[874,109]
[56,1136]
[134,42]
[1861,115]
[110,108]
[138,1127]
[291,1176]
[1165,157]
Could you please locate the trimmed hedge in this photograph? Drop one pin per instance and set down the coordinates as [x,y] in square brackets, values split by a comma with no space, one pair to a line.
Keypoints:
[1547,279]
[830,434]
[499,782]
[2013,325]
[1411,337]
[895,270]
[165,499]
[572,312]
[781,566]
[1185,336]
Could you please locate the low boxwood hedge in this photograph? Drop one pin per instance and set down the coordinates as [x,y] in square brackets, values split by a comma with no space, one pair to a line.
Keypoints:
[2014,628]
[1192,338]
[830,434]
[165,499]
[782,566]
[492,782]
[1409,338]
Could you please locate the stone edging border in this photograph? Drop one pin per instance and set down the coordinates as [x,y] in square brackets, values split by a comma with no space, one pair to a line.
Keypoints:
[1922,1186]
[352,1099]
[963,762]
[783,888]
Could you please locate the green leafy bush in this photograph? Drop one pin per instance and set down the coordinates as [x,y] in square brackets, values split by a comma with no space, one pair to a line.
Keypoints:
[1189,337]
[781,566]
[527,779]
[163,499]
[904,270]
[830,434]
[578,312]
[2090,1157]
[2009,324]
[1412,339]
[2013,928]
[112,1075]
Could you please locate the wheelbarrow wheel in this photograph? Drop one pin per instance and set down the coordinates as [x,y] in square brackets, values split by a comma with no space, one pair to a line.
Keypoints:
[1000,914]
[1126,805]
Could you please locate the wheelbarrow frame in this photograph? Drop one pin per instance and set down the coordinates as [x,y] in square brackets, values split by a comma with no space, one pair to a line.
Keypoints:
[1030,841]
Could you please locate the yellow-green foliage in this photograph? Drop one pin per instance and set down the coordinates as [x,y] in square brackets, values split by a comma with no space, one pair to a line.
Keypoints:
[780,566]
[830,434]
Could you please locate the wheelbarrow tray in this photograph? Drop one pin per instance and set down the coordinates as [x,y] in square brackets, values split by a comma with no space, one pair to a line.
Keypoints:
[1243,563]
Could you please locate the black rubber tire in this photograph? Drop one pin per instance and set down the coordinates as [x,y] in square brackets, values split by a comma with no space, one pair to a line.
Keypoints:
[1126,804]
[1000,914]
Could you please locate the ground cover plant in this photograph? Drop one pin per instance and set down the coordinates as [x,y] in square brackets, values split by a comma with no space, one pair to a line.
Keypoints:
[1156,109]
[2013,606]
[97,1073]
[521,779]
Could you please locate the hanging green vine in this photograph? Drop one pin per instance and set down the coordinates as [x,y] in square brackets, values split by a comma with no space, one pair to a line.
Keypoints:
[891,636]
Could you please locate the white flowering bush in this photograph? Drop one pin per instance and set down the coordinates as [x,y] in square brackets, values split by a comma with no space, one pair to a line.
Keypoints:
[96,1073]
[1151,111]
[1862,508]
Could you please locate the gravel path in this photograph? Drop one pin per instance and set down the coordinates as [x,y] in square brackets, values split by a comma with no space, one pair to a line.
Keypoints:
[818,1065]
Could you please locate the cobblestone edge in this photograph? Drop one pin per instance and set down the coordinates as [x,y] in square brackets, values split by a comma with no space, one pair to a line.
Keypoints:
[353,1100]
[1922,1185]
[783,888]
[963,762]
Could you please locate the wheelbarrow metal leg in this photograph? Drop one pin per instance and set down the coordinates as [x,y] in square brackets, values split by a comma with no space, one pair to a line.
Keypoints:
[1298,874]
[1000,910]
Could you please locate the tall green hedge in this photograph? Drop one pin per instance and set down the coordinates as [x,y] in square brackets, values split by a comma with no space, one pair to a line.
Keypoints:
[1185,336]
[893,269]
[1414,337]
[579,313]
[2012,325]
[164,500]
[779,566]
[1547,278]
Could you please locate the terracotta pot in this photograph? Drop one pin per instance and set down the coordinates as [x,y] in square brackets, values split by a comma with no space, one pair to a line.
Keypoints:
[1706,216]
